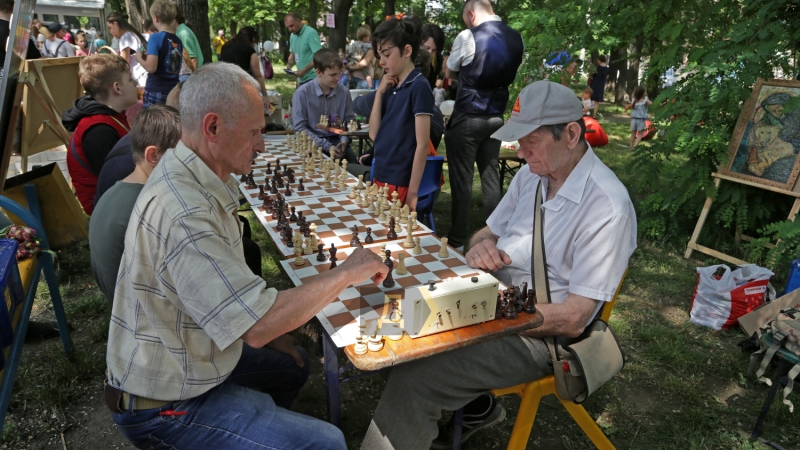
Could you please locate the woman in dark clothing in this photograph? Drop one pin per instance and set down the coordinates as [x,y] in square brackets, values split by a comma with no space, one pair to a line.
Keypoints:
[433,42]
[241,51]
[598,83]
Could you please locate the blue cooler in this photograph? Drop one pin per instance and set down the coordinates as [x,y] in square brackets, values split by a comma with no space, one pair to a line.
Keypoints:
[793,280]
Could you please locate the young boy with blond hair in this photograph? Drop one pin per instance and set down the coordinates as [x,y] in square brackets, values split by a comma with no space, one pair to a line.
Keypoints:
[400,120]
[164,54]
[97,120]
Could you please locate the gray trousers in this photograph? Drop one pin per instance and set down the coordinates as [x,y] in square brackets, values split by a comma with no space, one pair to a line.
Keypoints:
[418,391]
[468,142]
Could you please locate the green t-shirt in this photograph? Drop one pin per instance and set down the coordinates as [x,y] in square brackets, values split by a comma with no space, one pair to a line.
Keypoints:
[190,43]
[107,233]
[304,45]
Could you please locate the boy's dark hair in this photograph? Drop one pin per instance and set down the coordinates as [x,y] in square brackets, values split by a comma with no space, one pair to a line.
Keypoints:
[158,125]
[248,34]
[149,27]
[326,58]
[638,93]
[97,73]
[398,33]
[601,58]
[7,6]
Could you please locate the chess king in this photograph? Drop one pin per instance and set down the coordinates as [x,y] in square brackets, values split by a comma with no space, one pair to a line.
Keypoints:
[194,346]
[589,235]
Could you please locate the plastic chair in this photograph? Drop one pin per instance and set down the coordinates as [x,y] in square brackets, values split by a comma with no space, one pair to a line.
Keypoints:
[532,393]
[429,188]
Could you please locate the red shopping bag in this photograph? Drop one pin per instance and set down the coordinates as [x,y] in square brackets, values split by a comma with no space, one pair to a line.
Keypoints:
[719,300]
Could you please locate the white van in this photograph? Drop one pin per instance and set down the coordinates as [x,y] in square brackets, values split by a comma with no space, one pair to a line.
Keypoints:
[79,15]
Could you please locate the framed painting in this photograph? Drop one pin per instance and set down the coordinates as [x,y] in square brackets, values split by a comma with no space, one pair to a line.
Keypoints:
[765,146]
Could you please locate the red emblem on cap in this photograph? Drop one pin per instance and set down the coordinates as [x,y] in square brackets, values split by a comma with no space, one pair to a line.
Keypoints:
[515,109]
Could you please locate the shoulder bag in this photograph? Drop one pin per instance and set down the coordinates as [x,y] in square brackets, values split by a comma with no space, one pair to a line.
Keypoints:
[583,364]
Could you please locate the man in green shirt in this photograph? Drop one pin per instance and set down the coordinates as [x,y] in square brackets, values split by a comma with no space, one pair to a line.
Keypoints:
[190,43]
[303,43]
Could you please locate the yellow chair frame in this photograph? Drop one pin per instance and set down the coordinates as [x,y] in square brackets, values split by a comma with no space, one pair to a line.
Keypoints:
[532,393]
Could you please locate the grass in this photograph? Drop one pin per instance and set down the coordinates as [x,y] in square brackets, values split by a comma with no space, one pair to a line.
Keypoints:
[683,386]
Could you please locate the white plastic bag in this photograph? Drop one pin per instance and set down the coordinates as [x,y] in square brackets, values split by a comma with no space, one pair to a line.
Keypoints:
[719,301]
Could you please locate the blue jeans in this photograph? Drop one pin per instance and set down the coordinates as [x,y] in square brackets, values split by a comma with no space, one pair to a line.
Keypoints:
[360,83]
[234,416]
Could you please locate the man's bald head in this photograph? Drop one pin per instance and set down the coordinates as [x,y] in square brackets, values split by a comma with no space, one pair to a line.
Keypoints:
[484,6]
[220,88]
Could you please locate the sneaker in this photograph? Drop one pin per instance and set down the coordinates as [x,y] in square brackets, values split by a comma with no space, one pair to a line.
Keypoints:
[473,421]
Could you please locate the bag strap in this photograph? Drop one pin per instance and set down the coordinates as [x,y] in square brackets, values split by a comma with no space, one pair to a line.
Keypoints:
[539,264]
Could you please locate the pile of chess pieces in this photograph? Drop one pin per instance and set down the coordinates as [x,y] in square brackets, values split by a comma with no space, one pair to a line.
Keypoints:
[515,300]
[332,121]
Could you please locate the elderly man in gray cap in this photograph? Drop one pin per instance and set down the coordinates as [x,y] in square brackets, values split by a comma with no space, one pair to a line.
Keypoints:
[589,235]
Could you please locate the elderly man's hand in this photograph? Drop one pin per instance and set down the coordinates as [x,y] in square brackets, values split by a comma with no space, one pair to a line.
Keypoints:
[485,255]
[338,149]
[286,344]
[363,264]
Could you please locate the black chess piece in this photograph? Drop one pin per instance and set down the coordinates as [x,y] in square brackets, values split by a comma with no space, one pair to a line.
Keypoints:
[288,191]
[289,171]
[391,235]
[510,311]
[300,218]
[293,217]
[251,182]
[498,308]
[369,239]
[524,290]
[267,205]
[333,256]
[354,241]
[321,253]
[519,301]
[261,192]
[277,164]
[389,281]
[291,177]
[288,233]
[243,178]
[530,302]
[300,187]
[285,168]
[269,169]
[273,189]
[279,180]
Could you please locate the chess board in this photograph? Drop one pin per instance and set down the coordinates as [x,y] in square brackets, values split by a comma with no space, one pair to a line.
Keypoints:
[334,215]
[366,300]
[314,185]
[274,151]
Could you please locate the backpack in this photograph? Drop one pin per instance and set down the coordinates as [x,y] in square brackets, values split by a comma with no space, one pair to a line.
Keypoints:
[267,65]
[785,328]
[55,54]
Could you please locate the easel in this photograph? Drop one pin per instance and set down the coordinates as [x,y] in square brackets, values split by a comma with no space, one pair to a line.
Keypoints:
[693,245]
[31,84]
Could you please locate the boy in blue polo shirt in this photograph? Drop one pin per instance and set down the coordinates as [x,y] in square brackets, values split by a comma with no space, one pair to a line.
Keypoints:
[164,54]
[400,121]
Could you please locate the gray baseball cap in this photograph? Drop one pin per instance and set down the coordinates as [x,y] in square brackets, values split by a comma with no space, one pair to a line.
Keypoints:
[541,103]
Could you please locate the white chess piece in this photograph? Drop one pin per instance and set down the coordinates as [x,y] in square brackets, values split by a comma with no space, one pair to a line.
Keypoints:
[307,250]
[414,225]
[443,252]
[382,253]
[360,185]
[401,265]
[298,257]
[417,248]
[314,241]
[360,348]
[375,343]
[409,242]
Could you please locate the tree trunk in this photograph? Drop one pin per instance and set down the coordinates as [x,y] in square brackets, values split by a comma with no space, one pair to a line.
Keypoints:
[341,12]
[388,8]
[635,62]
[196,13]
[232,29]
[138,11]
[618,72]
[284,42]
[313,15]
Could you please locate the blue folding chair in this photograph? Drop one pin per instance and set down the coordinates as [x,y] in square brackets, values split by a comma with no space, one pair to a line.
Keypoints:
[429,188]
[14,279]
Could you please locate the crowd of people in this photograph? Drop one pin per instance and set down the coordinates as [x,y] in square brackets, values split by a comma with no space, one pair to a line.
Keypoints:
[199,354]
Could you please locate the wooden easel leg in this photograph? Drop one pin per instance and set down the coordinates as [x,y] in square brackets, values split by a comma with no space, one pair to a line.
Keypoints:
[795,209]
[690,247]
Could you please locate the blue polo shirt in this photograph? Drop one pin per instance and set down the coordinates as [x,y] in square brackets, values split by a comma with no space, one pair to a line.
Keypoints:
[395,143]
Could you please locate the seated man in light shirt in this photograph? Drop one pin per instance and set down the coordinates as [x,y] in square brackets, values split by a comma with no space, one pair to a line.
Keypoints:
[589,235]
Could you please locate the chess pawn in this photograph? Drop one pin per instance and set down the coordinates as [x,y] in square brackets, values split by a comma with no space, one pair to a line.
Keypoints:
[364,199]
[371,202]
[300,187]
[414,225]
[401,265]
[417,248]
[298,259]
[368,239]
[397,227]
[298,239]
[368,187]
[409,242]
[443,252]
[391,234]
[307,250]
[341,186]
[360,184]
[360,347]
[375,343]
[510,311]
[382,253]
[381,215]
[313,228]
[293,217]
[321,253]
[530,302]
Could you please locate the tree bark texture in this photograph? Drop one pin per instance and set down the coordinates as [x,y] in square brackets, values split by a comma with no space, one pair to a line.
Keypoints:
[313,15]
[635,63]
[284,41]
[233,28]
[618,71]
[138,12]
[388,8]
[196,13]
[341,12]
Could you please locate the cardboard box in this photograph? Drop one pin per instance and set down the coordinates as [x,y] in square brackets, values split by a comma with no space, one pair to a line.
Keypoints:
[753,321]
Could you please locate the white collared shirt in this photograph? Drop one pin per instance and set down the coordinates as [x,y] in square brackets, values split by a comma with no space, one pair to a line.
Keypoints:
[589,231]
[463,50]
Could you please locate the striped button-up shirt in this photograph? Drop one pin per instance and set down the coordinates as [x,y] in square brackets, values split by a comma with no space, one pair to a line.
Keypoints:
[184,295]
